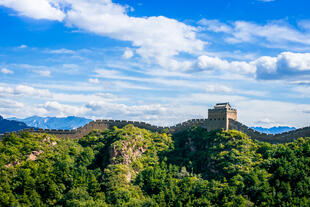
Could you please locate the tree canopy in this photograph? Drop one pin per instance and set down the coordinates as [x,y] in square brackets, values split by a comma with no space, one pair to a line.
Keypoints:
[136,167]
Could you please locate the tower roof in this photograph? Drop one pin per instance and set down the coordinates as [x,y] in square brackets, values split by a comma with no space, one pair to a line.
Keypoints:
[222,105]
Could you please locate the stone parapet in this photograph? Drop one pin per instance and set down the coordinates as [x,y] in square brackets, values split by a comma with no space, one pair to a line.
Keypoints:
[204,123]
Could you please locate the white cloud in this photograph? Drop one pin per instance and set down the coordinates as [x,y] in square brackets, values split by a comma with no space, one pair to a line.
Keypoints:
[218,88]
[61,51]
[44,73]
[6,71]
[285,65]
[94,80]
[104,73]
[4,91]
[23,90]
[156,38]
[277,112]
[160,82]
[271,32]
[37,9]
[266,122]
[174,65]
[266,0]
[294,61]
[266,64]
[128,53]
[206,62]
[22,46]
[82,98]
[130,112]
[302,91]
[275,34]
[305,24]
[8,104]
[58,109]
[215,25]
[215,63]
[30,91]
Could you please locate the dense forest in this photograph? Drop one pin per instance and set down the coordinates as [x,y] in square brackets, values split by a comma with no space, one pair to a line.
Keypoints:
[136,167]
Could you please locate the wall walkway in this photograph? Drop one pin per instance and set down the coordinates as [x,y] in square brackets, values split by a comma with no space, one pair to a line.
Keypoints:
[205,123]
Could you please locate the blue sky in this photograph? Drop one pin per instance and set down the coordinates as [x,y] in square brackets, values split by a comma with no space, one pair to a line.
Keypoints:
[157,61]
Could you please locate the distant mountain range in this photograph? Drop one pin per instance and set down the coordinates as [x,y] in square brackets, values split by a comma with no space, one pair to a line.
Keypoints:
[70,122]
[274,130]
[10,125]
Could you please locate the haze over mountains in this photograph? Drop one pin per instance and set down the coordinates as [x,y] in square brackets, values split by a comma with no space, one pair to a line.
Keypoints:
[274,130]
[70,122]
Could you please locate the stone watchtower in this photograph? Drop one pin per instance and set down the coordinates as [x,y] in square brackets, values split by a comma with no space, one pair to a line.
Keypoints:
[218,117]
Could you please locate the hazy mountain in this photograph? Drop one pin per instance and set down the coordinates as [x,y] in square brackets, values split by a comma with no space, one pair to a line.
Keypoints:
[274,130]
[10,125]
[70,122]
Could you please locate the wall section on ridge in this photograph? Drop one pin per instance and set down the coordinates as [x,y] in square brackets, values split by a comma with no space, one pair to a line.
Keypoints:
[271,138]
[208,124]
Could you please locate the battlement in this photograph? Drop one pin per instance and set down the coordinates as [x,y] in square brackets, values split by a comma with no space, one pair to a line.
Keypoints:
[222,116]
[271,138]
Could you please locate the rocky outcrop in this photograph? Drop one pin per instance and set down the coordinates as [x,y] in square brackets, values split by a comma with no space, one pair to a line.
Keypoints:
[127,151]
[34,154]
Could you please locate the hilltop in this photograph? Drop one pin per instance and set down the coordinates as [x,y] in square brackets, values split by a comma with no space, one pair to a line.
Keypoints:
[137,167]
[10,125]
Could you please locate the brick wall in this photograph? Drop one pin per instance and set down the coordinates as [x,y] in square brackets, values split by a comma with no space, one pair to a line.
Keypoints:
[209,124]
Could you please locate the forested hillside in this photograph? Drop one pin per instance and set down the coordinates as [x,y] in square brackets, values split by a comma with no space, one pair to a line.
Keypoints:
[136,167]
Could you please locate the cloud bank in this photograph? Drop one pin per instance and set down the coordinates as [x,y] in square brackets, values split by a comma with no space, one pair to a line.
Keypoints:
[286,65]
[274,34]
[155,38]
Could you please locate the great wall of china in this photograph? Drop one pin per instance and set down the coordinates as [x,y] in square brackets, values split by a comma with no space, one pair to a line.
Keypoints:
[219,118]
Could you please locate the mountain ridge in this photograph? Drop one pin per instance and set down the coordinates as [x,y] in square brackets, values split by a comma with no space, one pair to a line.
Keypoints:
[69,122]
[11,125]
[274,129]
